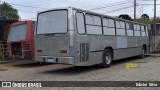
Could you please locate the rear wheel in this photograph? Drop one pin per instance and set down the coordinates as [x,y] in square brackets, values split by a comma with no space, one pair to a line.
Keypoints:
[143,53]
[107,58]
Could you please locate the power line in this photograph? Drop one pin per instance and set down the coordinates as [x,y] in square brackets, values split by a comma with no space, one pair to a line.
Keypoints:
[20,11]
[119,9]
[26,11]
[108,5]
[27,6]
[31,1]
[33,18]
[147,4]
[49,2]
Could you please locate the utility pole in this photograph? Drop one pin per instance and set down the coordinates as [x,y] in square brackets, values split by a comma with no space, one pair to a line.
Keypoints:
[134,9]
[154,25]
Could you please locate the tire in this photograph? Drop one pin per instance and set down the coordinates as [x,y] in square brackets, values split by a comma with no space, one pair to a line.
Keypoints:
[143,52]
[107,58]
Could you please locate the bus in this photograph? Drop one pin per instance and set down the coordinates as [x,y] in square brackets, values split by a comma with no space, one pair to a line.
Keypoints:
[20,41]
[84,38]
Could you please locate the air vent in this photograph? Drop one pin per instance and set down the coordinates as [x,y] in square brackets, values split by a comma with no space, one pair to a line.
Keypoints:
[84,52]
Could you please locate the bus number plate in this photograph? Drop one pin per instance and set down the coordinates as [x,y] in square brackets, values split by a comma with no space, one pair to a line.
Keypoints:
[51,60]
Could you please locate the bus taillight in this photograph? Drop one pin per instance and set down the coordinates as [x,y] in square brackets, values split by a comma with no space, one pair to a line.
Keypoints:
[39,50]
[63,51]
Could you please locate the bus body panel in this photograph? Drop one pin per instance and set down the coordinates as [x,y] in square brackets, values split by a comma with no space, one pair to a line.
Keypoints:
[22,47]
[86,49]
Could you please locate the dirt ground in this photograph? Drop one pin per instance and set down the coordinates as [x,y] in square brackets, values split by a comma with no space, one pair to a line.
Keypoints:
[131,69]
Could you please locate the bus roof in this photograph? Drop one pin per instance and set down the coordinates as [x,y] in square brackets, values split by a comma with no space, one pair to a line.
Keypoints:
[91,12]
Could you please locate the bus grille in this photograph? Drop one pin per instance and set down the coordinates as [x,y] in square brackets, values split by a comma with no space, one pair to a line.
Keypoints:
[26,46]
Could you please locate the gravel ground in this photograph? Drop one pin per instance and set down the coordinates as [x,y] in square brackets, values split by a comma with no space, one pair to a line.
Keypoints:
[147,69]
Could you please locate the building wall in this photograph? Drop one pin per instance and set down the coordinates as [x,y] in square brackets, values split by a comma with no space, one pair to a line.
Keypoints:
[157,38]
[157,29]
[157,42]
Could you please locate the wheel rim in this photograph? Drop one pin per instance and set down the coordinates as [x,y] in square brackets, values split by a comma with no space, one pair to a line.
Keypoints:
[143,52]
[108,58]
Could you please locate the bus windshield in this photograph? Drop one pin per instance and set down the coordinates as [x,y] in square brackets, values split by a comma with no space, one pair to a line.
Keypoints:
[17,33]
[52,22]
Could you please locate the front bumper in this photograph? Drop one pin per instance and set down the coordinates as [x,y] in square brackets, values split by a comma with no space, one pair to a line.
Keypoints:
[61,60]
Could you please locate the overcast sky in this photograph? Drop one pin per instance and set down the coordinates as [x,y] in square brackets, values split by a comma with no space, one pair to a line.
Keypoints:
[28,8]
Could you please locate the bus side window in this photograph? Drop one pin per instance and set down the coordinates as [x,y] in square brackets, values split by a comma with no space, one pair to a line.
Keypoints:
[93,24]
[120,28]
[80,23]
[146,30]
[143,31]
[129,28]
[137,30]
[108,26]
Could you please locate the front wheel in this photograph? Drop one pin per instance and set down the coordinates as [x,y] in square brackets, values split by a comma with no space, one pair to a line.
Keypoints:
[107,58]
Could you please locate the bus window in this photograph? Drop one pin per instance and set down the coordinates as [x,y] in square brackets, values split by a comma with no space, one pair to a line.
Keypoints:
[108,26]
[52,22]
[80,23]
[137,30]
[19,30]
[120,28]
[105,22]
[97,20]
[129,28]
[146,31]
[143,31]
[89,19]
[111,23]
[93,25]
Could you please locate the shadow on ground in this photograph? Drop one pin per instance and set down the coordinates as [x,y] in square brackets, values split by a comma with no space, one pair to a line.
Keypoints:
[34,64]
[81,70]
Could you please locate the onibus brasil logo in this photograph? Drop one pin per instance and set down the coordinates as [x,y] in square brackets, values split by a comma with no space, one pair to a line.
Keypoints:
[19,84]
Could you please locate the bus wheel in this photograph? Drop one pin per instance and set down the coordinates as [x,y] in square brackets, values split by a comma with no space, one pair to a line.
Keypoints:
[143,52]
[107,58]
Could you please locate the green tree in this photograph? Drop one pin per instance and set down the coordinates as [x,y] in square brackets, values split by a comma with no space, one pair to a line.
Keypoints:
[125,16]
[145,16]
[158,19]
[144,19]
[7,12]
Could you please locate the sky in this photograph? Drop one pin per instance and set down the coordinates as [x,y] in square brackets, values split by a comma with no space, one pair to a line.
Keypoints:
[27,9]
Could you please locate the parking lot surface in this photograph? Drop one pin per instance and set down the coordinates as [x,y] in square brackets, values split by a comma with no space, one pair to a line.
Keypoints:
[130,69]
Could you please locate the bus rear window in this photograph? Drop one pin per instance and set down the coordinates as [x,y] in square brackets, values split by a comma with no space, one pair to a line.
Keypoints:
[52,22]
[17,33]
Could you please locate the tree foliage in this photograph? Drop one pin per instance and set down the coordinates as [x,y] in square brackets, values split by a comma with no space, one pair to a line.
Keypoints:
[125,16]
[7,12]
[145,16]
[158,19]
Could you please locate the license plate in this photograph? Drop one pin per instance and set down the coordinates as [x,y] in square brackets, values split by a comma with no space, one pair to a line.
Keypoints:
[51,60]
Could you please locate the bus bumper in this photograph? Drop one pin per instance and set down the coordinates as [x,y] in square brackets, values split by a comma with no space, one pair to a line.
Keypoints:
[51,59]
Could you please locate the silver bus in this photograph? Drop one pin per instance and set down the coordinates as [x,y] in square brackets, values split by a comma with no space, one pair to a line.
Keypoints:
[83,38]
